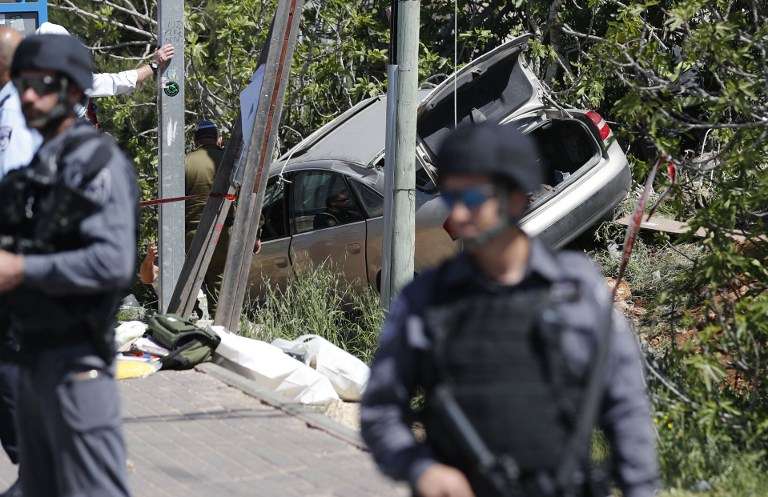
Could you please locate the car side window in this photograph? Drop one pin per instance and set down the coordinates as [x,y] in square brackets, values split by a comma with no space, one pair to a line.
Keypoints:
[372,201]
[423,180]
[272,224]
[321,199]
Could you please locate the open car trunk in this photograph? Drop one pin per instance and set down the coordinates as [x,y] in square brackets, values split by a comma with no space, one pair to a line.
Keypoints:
[566,149]
[490,88]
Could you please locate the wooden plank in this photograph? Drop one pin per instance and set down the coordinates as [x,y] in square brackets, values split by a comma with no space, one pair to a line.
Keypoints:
[664,224]
[258,159]
[672,226]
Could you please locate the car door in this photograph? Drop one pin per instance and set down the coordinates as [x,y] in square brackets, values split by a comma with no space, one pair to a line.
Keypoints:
[271,266]
[373,204]
[328,225]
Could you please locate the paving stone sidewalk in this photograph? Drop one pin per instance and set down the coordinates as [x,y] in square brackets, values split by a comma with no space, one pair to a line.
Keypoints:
[190,435]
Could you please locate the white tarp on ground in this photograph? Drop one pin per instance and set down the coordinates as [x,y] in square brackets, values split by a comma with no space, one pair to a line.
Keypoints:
[127,332]
[272,369]
[348,374]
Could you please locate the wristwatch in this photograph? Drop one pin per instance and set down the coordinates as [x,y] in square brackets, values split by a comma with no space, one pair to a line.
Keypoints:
[153,65]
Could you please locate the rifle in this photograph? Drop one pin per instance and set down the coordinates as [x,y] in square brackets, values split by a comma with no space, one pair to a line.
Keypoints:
[501,472]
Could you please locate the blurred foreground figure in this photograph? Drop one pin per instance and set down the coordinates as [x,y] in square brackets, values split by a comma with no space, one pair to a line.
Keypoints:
[18,144]
[501,340]
[67,233]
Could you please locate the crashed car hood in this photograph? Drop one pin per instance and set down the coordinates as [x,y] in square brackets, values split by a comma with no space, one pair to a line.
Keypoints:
[490,88]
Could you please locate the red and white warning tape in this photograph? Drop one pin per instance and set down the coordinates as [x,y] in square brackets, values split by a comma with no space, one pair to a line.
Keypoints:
[634,224]
[168,200]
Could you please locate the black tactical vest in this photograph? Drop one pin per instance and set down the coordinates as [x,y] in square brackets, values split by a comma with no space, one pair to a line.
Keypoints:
[41,214]
[499,353]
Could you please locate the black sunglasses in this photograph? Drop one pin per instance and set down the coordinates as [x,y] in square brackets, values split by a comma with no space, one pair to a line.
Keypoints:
[43,85]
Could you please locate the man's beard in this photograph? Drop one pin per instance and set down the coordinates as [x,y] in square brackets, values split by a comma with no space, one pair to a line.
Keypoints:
[34,118]
[43,121]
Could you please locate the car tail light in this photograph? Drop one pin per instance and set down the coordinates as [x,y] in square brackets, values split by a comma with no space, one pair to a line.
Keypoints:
[602,126]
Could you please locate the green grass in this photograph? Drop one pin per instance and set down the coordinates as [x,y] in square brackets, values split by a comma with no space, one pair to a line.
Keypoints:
[319,302]
[652,266]
[743,476]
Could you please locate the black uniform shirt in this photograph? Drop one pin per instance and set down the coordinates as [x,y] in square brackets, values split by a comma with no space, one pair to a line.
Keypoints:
[625,415]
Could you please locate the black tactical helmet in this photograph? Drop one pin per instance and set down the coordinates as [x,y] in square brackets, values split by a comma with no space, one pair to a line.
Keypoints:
[55,52]
[494,150]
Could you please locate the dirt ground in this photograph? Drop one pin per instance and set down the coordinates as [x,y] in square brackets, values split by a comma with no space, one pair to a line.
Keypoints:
[346,413]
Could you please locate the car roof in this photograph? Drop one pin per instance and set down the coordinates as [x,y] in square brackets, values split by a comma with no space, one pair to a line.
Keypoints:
[361,172]
[355,136]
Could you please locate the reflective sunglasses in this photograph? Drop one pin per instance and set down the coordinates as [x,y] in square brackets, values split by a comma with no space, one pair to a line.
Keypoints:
[43,85]
[471,198]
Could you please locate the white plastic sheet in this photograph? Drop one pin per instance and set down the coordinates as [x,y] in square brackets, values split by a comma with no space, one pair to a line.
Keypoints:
[348,374]
[272,369]
[148,346]
[127,332]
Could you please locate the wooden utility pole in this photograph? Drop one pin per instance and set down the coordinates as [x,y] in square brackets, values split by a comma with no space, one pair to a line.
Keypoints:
[257,162]
[401,172]
[170,90]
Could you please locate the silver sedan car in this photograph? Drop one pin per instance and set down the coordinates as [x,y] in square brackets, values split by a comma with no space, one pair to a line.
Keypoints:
[324,199]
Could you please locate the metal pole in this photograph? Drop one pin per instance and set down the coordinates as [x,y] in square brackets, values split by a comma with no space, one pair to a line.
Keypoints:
[171,145]
[404,201]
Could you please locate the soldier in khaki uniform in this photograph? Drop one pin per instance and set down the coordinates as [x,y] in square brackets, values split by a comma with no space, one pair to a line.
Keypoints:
[200,170]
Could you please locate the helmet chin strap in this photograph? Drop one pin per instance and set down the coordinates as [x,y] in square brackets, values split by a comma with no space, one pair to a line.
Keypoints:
[506,221]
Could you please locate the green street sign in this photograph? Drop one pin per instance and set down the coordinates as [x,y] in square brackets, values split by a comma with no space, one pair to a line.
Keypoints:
[171,88]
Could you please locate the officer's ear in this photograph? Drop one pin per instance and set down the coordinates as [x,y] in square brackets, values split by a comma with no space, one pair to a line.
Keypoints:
[75,95]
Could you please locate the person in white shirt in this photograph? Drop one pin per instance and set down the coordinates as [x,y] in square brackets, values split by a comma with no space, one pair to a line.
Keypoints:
[119,83]
[18,143]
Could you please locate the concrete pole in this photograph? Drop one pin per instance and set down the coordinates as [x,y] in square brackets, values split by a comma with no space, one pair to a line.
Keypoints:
[404,201]
[390,146]
[171,250]
[390,154]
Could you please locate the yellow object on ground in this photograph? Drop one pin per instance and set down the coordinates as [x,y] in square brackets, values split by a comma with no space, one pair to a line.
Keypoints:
[127,367]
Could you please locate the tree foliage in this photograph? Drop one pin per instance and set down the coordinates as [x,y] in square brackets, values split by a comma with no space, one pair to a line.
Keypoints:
[688,80]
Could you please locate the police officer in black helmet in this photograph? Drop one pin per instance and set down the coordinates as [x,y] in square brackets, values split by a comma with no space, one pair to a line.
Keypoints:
[67,238]
[500,340]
